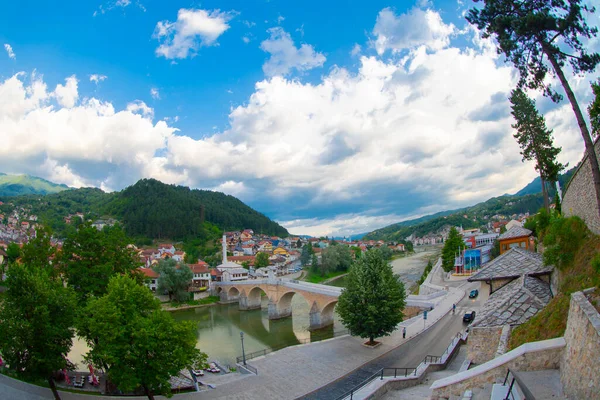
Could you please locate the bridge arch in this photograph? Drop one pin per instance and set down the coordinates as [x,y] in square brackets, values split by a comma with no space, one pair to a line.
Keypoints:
[251,299]
[282,307]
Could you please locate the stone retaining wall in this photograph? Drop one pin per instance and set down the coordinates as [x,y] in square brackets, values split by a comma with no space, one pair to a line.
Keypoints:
[580,196]
[528,357]
[483,343]
[580,365]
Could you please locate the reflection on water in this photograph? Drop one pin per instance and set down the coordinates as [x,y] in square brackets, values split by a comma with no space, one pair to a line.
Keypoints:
[219,329]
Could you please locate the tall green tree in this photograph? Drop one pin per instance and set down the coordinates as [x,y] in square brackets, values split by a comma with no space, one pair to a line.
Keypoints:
[335,258]
[261,260]
[539,37]
[307,253]
[38,251]
[13,251]
[535,140]
[594,109]
[139,344]
[90,257]
[174,279]
[372,303]
[36,323]
[386,252]
[453,244]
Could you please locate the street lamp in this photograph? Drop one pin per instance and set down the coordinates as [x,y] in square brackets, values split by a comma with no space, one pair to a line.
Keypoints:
[243,352]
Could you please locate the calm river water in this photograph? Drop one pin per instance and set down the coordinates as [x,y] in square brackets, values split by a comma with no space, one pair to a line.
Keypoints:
[219,328]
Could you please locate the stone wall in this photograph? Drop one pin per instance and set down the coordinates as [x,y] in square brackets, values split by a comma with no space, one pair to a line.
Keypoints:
[483,343]
[580,196]
[528,357]
[580,364]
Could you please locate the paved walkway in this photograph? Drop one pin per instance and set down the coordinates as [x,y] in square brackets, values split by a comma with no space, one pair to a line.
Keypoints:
[288,373]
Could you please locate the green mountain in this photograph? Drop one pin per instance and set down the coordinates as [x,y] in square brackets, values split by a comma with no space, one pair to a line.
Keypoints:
[535,186]
[149,209]
[18,185]
[529,199]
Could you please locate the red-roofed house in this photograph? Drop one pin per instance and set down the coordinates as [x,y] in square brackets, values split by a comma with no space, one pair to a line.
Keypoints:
[151,278]
[201,275]
[241,259]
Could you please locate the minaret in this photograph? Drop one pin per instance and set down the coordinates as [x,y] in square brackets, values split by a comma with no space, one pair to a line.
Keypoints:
[224,249]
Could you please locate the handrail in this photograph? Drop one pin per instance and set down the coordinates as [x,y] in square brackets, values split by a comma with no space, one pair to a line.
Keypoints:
[280,346]
[381,373]
[521,385]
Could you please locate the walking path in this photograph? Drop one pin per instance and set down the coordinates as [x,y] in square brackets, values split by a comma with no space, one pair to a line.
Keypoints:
[294,371]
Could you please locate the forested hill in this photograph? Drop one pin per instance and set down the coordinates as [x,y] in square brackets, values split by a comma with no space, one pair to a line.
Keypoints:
[535,186]
[150,209]
[505,205]
[153,209]
[18,185]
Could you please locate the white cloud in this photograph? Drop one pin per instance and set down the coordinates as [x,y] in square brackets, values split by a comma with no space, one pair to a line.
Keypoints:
[193,29]
[355,50]
[141,107]
[280,19]
[120,4]
[67,94]
[154,93]
[415,28]
[96,78]
[396,138]
[9,51]
[246,39]
[285,56]
[88,144]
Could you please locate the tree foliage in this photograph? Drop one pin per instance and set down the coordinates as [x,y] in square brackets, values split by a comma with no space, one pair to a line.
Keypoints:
[371,305]
[539,37]
[261,260]
[535,139]
[594,109]
[307,253]
[174,279]
[335,258]
[13,252]
[452,246]
[36,323]
[37,252]
[138,343]
[562,240]
[90,257]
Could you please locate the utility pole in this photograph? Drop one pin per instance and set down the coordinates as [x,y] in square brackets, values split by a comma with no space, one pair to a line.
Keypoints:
[243,351]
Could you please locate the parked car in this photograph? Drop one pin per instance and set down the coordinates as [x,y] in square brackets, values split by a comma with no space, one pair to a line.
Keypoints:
[469,317]
[474,293]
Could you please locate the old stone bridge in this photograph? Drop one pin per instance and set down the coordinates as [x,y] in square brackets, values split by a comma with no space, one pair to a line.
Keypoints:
[321,299]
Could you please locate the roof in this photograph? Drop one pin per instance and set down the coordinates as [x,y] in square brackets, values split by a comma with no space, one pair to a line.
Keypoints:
[228,265]
[512,264]
[515,232]
[238,270]
[215,272]
[199,268]
[241,258]
[514,303]
[148,272]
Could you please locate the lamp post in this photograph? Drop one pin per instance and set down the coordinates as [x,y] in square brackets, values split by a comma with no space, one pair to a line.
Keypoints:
[243,352]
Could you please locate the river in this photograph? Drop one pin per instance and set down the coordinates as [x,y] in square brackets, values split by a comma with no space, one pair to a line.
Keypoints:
[219,326]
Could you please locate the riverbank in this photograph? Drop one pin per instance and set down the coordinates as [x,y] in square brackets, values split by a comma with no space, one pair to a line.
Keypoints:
[205,302]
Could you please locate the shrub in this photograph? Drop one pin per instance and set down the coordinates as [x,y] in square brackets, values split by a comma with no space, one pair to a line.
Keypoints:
[563,238]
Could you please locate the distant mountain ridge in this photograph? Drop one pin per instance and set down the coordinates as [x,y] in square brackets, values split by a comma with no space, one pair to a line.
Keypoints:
[151,209]
[18,185]
[529,199]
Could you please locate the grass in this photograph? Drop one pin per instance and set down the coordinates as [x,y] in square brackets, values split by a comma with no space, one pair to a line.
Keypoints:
[551,322]
[206,300]
[313,277]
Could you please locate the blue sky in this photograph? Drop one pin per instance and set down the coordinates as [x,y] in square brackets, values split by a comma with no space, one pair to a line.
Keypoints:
[330,117]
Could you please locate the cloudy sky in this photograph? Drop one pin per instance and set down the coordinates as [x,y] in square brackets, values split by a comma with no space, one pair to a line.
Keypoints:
[329,117]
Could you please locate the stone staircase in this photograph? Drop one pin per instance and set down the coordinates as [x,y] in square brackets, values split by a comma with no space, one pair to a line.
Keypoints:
[422,391]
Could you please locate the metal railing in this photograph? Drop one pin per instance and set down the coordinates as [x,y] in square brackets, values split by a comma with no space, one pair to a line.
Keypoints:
[398,372]
[519,384]
[268,350]
[406,372]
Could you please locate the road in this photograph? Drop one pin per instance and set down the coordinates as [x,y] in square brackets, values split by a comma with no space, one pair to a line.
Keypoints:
[409,355]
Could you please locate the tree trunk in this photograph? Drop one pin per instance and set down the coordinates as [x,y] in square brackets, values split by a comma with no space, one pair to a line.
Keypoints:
[545,194]
[585,133]
[148,393]
[53,388]
[371,340]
